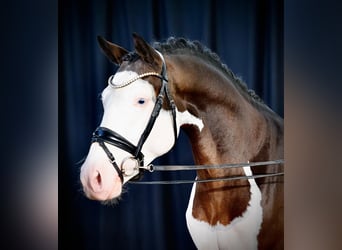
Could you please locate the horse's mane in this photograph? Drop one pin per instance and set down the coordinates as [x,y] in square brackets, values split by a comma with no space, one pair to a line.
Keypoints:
[180,45]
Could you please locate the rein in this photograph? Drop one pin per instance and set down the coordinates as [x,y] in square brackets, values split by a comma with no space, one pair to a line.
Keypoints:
[153,168]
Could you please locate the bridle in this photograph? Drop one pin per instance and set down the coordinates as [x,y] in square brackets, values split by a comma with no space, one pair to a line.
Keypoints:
[104,135]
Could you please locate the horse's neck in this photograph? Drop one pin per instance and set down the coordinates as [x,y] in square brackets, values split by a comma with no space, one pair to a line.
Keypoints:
[234,130]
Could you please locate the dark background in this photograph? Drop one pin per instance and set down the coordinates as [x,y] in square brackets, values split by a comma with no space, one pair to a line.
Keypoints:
[31,203]
[248,37]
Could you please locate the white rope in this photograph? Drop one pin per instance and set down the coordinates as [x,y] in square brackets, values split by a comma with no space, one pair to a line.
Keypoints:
[128,82]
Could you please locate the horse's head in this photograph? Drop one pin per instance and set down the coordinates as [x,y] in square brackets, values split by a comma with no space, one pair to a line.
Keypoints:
[136,127]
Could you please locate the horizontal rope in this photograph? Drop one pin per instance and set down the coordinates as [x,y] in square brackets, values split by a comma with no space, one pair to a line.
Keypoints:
[206,180]
[153,168]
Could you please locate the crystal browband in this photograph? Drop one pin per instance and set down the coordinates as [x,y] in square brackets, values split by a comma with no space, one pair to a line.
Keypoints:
[128,82]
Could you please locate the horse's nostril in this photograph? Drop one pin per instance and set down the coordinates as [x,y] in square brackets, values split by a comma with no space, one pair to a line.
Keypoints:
[96,182]
[98,178]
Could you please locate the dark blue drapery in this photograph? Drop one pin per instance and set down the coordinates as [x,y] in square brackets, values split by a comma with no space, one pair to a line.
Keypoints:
[248,37]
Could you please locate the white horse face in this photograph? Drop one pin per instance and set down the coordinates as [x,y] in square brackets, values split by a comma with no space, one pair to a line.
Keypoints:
[127,111]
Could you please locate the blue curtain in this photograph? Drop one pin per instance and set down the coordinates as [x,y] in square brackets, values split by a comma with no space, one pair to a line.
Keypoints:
[248,37]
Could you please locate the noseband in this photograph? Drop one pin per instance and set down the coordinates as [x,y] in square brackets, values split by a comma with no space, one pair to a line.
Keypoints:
[104,135]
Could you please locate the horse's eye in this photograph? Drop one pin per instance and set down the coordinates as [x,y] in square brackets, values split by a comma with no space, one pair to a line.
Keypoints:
[141,101]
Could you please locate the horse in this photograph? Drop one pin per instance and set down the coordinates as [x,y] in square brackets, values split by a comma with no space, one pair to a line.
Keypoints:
[163,87]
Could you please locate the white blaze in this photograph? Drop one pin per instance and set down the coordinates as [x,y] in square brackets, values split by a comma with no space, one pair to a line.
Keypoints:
[126,115]
[127,111]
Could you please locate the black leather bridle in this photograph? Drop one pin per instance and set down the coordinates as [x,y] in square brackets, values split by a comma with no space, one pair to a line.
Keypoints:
[104,135]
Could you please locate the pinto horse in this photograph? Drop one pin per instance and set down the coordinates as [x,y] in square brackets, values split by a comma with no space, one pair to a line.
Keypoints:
[163,87]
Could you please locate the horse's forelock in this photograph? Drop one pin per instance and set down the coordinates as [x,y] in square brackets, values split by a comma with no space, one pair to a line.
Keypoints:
[131,57]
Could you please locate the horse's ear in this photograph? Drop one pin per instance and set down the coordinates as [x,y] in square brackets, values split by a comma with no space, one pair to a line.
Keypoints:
[145,51]
[112,51]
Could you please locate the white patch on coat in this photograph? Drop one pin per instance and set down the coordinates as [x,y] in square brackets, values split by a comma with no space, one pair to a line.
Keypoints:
[187,118]
[241,233]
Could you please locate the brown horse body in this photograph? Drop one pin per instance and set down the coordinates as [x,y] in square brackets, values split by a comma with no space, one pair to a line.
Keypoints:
[238,127]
